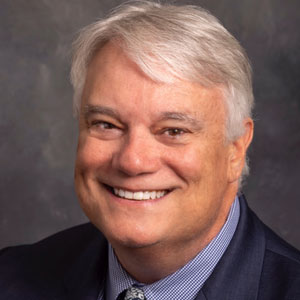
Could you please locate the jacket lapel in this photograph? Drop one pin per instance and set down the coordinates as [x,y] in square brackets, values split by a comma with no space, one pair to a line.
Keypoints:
[87,275]
[237,274]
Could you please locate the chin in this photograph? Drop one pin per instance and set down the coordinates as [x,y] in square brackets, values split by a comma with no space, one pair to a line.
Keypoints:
[132,239]
[133,243]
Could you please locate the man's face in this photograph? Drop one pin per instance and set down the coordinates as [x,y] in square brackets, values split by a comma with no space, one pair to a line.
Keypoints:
[160,142]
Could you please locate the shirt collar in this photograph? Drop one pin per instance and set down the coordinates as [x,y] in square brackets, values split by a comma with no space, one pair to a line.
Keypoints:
[192,275]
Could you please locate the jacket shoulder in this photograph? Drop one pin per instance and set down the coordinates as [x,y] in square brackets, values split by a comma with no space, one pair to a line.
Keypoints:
[277,245]
[43,264]
[53,247]
[280,278]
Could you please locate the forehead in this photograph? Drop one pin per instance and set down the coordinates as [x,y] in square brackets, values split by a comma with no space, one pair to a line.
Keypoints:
[114,79]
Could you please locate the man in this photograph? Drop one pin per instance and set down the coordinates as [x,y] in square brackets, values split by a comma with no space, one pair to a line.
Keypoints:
[163,95]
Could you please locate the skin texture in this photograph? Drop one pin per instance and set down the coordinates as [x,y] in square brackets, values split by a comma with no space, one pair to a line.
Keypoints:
[141,135]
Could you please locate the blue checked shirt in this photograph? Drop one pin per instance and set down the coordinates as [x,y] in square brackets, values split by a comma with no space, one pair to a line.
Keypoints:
[193,275]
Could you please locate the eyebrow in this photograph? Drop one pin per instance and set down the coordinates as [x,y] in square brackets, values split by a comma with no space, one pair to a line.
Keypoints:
[177,116]
[96,109]
[165,116]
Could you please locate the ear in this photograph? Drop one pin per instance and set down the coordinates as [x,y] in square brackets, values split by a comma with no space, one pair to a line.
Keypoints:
[237,151]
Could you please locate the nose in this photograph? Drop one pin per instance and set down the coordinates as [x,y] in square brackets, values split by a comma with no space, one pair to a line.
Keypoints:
[138,155]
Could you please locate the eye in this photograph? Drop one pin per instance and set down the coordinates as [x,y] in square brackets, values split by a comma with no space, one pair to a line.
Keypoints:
[104,130]
[174,132]
[103,125]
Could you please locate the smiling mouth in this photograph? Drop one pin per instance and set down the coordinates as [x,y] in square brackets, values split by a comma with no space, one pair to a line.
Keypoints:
[137,195]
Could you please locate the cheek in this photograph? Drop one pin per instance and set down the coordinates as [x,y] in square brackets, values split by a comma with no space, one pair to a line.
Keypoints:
[199,164]
[186,162]
[92,154]
[91,157]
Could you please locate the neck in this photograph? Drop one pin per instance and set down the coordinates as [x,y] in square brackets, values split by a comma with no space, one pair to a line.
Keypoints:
[150,264]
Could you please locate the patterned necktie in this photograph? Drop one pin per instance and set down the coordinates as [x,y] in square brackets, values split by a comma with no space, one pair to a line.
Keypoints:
[132,293]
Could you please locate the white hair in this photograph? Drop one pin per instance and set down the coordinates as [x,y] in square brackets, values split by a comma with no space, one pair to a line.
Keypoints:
[186,40]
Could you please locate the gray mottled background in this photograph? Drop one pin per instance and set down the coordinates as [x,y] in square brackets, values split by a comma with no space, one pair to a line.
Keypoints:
[38,133]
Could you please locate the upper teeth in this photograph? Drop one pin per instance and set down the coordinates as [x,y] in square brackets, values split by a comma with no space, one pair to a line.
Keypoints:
[139,195]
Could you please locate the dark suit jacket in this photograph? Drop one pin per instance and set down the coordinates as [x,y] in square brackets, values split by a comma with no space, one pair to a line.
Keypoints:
[72,265]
